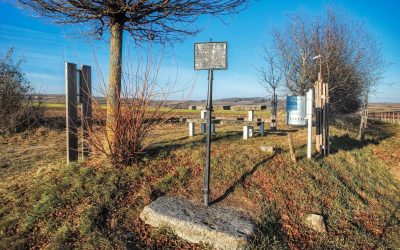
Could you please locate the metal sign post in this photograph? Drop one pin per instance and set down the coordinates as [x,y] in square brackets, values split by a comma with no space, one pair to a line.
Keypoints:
[209,56]
[208,153]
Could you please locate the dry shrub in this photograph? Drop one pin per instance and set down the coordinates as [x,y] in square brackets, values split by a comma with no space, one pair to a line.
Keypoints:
[20,106]
[140,107]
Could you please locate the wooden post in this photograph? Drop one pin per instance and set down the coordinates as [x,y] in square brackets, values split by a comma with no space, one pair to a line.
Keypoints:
[291,150]
[323,139]
[309,109]
[71,112]
[326,119]
[322,116]
[85,84]
[318,114]
[274,109]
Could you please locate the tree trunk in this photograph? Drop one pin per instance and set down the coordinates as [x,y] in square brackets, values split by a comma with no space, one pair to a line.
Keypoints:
[364,119]
[114,81]
[274,112]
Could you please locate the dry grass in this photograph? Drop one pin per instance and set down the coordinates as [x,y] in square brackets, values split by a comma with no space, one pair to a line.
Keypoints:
[45,203]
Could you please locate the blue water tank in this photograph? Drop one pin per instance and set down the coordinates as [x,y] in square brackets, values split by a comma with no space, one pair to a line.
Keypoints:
[296,110]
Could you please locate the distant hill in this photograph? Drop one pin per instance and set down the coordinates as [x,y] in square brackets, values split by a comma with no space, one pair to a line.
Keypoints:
[234,101]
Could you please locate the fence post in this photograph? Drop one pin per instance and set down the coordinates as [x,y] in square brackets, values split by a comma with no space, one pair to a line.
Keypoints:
[71,112]
[85,84]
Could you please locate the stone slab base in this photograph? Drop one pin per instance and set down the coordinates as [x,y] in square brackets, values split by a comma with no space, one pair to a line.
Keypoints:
[223,228]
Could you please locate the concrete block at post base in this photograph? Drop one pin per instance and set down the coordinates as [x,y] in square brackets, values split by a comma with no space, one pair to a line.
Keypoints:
[247,132]
[220,227]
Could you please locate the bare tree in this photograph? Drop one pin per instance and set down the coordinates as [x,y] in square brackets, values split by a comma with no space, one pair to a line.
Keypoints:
[140,110]
[19,107]
[346,49]
[158,20]
[294,53]
[372,74]
[270,79]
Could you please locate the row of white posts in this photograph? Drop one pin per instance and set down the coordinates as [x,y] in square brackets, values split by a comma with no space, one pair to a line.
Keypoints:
[248,130]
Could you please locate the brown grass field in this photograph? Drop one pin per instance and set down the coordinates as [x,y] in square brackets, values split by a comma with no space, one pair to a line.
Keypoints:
[45,203]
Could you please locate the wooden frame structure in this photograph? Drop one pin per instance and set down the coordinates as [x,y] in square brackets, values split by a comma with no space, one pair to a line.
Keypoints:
[85,98]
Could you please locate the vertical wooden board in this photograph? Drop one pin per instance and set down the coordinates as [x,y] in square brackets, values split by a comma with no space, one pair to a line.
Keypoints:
[71,112]
[318,115]
[291,149]
[327,112]
[85,84]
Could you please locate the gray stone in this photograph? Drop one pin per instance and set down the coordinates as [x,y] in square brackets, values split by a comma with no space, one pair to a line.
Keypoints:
[223,228]
[268,149]
[203,128]
[261,128]
[315,222]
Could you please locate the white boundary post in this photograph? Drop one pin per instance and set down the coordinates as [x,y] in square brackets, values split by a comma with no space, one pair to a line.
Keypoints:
[191,129]
[309,120]
[245,132]
[250,115]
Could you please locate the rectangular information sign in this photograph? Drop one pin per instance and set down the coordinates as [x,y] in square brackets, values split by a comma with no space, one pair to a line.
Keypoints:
[212,55]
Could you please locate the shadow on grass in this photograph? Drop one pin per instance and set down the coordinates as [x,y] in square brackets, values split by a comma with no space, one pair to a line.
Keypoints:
[377,132]
[164,149]
[281,132]
[391,222]
[241,180]
[269,234]
[345,142]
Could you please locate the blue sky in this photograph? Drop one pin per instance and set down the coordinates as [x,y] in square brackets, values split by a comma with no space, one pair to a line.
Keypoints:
[46,46]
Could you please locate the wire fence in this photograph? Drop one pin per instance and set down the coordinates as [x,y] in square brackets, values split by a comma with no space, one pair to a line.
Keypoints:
[389,117]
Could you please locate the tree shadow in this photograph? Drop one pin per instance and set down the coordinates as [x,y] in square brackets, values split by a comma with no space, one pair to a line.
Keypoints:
[390,222]
[269,233]
[241,180]
[376,131]
[281,132]
[345,142]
